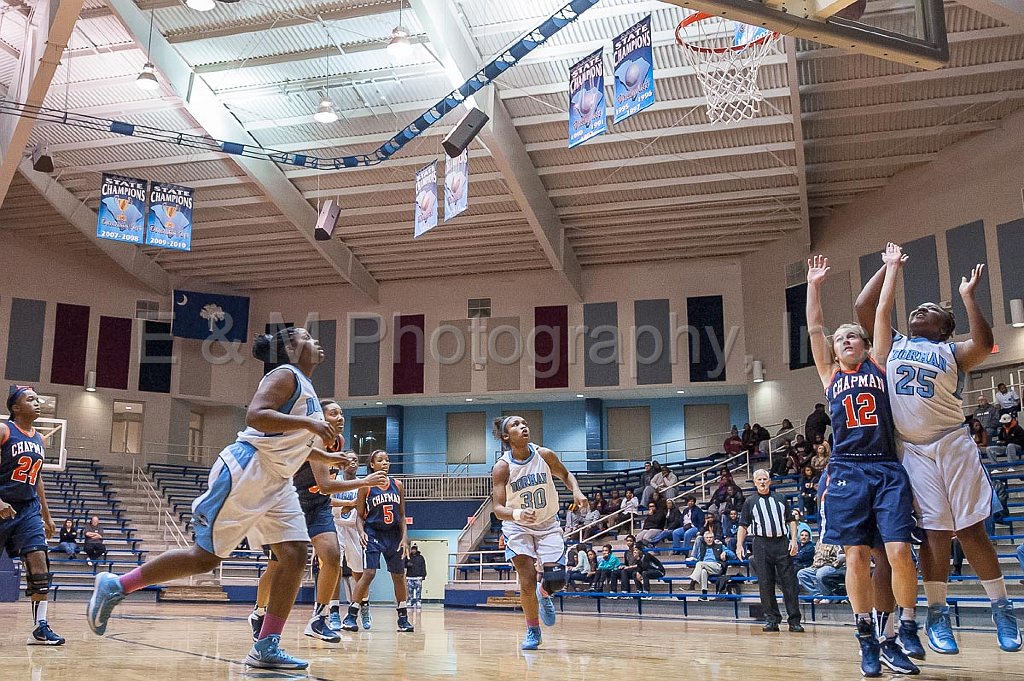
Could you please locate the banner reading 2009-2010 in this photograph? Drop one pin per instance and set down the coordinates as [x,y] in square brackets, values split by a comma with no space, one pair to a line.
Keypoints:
[586,99]
[122,212]
[634,70]
[169,223]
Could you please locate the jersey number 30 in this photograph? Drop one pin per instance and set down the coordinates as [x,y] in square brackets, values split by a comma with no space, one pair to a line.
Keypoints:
[534,499]
[27,470]
[864,413]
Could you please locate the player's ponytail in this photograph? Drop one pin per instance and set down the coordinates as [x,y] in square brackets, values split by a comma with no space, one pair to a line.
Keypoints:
[273,348]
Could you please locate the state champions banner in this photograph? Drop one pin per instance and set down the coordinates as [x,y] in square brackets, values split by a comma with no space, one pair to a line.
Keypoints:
[587,115]
[426,200]
[634,70]
[169,221]
[456,184]
[122,212]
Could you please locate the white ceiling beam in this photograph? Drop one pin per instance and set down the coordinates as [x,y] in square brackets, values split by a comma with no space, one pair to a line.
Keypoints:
[857,163]
[793,80]
[393,162]
[210,113]
[129,258]
[768,196]
[454,46]
[696,252]
[48,30]
[516,27]
[638,135]
[991,68]
[378,188]
[317,53]
[848,185]
[667,158]
[285,20]
[908,133]
[914,105]
[1010,12]
[707,178]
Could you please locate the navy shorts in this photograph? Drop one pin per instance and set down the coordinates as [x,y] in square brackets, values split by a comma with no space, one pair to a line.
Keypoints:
[24,532]
[319,519]
[383,543]
[866,503]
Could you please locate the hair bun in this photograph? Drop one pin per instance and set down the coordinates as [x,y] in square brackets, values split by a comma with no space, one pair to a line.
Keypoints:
[261,346]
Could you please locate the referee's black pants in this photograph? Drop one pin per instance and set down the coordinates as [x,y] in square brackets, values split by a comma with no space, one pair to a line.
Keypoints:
[773,565]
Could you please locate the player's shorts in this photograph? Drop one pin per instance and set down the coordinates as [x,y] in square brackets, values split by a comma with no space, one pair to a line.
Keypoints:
[866,502]
[387,544]
[244,497]
[545,543]
[319,519]
[351,547]
[24,532]
[952,489]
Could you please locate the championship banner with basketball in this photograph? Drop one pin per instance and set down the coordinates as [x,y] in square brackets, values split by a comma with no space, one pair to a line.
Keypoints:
[122,213]
[587,117]
[169,223]
[634,70]
[426,200]
[456,185]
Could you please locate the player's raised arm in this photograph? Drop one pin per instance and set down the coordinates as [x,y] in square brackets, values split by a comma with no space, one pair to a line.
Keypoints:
[893,258]
[559,470]
[973,351]
[327,485]
[868,300]
[817,270]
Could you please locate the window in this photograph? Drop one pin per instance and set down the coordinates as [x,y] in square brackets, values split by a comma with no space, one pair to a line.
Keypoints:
[48,403]
[126,428]
[195,437]
[147,309]
[479,307]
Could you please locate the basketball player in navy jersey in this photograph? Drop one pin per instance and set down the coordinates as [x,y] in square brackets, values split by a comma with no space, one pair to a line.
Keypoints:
[526,501]
[866,498]
[381,524]
[25,522]
[952,490]
[314,485]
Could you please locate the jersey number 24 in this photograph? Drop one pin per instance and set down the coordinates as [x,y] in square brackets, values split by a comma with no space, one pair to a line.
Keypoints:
[27,470]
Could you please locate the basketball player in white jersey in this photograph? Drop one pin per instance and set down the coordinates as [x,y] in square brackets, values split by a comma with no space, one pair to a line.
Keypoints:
[250,489]
[952,491]
[526,501]
[346,524]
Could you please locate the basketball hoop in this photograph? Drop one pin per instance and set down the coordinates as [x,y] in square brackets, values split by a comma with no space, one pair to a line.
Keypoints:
[726,65]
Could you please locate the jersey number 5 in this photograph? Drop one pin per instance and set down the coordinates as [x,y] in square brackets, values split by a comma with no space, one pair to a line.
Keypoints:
[389,514]
[864,414]
[27,470]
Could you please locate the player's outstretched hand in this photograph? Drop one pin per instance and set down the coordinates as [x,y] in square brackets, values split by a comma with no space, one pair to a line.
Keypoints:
[404,551]
[968,286]
[363,539]
[793,548]
[375,479]
[49,529]
[893,255]
[580,501]
[817,268]
[6,511]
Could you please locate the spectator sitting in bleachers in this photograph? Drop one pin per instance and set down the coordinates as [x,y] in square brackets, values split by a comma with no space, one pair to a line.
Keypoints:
[988,414]
[725,477]
[94,546]
[654,523]
[809,490]
[733,444]
[780,459]
[712,524]
[630,505]
[626,573]
[591,517]
[645,479]
[803,449]
[817,423]
[805,551]
[607,564]
[1007,400]
[820,459]
[981,438]
[747,436]
[673,521]
[649,489]
[648,568]
[579,567]
[1009,439]
[68,540]
[761,439]
[574,519]
[613,504]
[725,499]
[711,556]
[730,528]
[797,516]
[826,574]
[693,523]
[665,482]
[600,504]
[658,499]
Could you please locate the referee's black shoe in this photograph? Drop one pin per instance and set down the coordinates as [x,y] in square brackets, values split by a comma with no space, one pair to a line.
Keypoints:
[770,627]
[796,628]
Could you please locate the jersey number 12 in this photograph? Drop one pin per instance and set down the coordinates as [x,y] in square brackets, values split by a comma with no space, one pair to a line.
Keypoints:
[864,413]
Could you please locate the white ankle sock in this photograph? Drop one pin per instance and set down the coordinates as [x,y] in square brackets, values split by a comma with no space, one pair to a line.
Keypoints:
[995,589]
[39,611]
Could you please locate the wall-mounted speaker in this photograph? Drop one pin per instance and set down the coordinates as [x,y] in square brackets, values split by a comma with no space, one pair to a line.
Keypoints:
[458,139]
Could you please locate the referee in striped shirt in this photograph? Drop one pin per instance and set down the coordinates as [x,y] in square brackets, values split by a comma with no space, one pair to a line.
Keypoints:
[764,517]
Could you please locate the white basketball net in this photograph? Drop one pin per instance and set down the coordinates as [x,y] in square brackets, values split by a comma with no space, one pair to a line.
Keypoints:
[726,63]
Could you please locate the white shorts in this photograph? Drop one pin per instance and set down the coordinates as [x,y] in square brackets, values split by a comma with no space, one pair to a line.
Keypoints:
[952,490]
[351,547]
[546,543]
[244,498]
